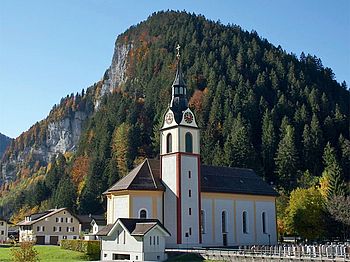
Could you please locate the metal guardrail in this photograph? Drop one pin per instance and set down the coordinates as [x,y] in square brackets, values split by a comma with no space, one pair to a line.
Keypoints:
[339,252]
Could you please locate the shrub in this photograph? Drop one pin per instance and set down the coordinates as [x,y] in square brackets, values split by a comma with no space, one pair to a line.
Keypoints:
[25,253]
[89,247]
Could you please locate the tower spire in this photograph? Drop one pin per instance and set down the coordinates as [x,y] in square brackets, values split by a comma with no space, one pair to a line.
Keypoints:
[179,101]
[178,51]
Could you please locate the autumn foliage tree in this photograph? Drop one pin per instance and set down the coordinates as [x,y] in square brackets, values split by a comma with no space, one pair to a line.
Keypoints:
[121,149]
[305,213]
[25,253]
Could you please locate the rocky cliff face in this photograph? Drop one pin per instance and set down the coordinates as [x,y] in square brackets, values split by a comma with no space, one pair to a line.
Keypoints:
[4,142]
[63,135]
[116,73]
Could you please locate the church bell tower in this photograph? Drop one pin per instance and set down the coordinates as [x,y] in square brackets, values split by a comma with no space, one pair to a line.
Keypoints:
[180,167]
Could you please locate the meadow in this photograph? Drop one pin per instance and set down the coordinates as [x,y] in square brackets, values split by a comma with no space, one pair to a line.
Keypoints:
[48,254]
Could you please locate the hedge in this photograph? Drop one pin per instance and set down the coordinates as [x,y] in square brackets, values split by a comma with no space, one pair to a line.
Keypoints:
[90,247]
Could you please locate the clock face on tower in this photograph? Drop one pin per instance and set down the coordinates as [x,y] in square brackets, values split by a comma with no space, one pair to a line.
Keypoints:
[188,117]
[169,118]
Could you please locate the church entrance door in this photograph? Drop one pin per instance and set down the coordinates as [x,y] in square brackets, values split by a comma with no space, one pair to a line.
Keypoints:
[224,239]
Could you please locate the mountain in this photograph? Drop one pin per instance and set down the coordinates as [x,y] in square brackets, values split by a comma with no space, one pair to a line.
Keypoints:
[258,106]
[4,143]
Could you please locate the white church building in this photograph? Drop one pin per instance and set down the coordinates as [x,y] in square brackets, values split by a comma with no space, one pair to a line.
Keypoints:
[199,205]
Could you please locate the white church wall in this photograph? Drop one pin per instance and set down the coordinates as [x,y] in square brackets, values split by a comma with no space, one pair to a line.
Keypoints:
[170,212]
[226,205]
[245,238]
[189,163]
[120,207]
[270,221]
[208,233]
[142,202]
[175,140]
[195,141]
[213,235]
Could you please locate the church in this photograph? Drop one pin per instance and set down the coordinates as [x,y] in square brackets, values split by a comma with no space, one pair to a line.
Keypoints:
[197,205]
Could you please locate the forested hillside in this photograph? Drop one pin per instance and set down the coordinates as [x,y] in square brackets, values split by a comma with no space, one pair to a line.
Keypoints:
[258,107]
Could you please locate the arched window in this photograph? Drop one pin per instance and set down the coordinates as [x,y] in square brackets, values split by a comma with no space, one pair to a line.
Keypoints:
[223,222]
[176,90]
[181,90]
[189,143]
[169,141]
[143,213]
[202,222]
[244,222]
[263,221]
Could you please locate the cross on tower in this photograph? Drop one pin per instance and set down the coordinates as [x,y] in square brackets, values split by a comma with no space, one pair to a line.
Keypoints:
[178,50]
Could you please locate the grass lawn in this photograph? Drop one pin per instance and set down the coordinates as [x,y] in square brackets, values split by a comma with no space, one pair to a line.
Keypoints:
[48,253]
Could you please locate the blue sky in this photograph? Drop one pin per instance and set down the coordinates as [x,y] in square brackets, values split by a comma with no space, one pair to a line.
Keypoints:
[49,49]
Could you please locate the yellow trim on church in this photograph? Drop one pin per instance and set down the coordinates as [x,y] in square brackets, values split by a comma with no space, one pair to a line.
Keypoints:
[255,233]
[136,193]
[131,208]
[237,196]
[154,207]
[213,217]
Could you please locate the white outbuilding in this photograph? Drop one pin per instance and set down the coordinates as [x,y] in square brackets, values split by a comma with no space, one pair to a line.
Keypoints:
[134,240]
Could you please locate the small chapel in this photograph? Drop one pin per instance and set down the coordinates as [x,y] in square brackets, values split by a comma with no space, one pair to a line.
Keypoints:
[191,204]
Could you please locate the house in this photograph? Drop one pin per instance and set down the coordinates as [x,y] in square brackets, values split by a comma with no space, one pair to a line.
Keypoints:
[3,230]
[134,239]
[97,224]
[49,227]
[13,232]
[91,224]
[87,222]
[199,205]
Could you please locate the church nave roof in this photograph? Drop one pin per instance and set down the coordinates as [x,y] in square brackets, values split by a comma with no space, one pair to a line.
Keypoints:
[216,179]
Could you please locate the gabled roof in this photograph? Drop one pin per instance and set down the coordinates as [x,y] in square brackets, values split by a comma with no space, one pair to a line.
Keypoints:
[135,226]
[99,221]
[216,179]
[87,219]
[42,215]
[234,180]
[36,216]
[145,176]
[105,230]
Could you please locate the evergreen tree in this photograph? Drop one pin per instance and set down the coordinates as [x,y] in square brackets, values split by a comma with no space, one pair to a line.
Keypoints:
[65,194]
[336,186]
[344,145]
[312,142]
[52,177]
[40,193]
[286,159]
[268,145]
[239,151]
[218,155]
[90,199]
